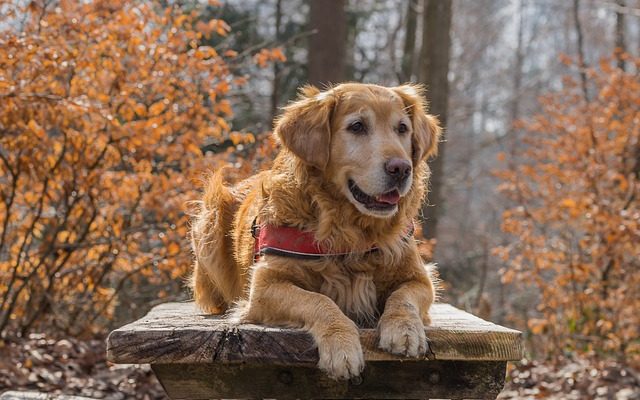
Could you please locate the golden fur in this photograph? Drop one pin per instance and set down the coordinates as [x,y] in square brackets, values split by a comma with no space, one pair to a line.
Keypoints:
[308,187]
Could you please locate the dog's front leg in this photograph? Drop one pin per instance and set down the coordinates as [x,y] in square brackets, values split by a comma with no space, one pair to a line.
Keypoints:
[401,326]
[278,301]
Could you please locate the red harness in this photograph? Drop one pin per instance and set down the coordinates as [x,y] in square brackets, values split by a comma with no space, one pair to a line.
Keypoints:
[287,241]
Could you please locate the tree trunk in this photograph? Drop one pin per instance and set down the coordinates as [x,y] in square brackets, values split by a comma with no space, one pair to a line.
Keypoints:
[406,73]
[275,94]
[512,140]
[582,63]
[436,44]
[328,21]
[620,39]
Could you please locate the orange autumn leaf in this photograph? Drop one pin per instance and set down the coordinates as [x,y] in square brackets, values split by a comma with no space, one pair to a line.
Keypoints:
[173,249]
[265,56]
[156,108]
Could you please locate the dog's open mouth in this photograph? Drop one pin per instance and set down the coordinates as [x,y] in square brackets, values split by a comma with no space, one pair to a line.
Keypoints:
[384,202]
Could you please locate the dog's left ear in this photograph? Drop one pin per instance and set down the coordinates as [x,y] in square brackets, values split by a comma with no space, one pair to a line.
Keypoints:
[305,126]
[426,128]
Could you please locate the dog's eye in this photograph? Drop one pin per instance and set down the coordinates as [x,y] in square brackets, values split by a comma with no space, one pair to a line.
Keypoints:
[402,128]
[357,127]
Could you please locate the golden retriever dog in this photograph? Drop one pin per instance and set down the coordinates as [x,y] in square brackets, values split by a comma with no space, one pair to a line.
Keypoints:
[348,181]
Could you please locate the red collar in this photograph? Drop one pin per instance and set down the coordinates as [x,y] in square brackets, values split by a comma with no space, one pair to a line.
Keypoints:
[288,241]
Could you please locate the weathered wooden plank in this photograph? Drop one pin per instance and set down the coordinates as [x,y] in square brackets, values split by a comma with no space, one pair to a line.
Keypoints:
[180,333]
[379,380]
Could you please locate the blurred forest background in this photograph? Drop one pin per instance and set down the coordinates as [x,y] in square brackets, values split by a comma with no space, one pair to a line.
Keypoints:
[112,111]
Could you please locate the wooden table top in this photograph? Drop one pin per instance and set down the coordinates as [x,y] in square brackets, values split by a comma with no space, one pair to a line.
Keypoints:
[180,333]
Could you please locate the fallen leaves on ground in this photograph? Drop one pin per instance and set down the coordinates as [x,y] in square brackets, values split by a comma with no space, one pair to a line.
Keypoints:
[578,379]
[73,367]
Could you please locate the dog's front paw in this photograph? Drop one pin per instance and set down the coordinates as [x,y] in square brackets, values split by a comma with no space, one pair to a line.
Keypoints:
[341,354]
[402,335]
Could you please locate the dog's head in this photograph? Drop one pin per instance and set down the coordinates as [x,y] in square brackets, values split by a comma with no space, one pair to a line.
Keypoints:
[367,140]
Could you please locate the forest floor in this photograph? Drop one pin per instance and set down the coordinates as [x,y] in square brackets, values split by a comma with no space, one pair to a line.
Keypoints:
[73,367]
[578,378]
[77,367]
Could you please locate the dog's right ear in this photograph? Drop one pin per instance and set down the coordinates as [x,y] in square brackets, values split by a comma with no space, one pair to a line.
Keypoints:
[305,126]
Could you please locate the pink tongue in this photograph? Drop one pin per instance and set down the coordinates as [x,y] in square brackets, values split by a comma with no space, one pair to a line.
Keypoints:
[390,198]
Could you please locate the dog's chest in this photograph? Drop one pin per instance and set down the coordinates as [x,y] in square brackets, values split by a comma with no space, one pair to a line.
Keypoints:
[353,292]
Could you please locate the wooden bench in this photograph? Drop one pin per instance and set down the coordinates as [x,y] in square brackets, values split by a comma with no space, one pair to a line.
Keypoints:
[197,356]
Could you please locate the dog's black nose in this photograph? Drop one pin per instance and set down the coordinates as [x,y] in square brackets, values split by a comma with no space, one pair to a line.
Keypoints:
[398,168]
